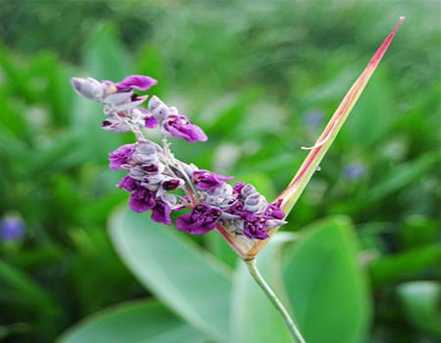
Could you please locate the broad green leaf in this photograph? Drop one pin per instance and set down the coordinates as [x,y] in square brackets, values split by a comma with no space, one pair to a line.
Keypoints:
[184,278]
[406,265]
[326,286]
[254,318]
[421,301]
[220,248]
[143,321]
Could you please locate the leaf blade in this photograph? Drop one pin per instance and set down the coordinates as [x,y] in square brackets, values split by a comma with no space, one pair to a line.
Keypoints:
[193,284]
[142,321]
[326,286]
[312,161]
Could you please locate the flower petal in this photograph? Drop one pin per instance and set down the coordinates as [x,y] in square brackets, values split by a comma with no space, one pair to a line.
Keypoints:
[139,82]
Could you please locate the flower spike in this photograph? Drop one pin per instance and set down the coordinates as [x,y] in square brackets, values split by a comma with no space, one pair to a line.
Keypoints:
[156,179]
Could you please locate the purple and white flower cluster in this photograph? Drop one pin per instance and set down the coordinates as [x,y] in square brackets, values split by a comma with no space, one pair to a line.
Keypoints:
[121,105]
[149,181]
[159,182]
[240,209]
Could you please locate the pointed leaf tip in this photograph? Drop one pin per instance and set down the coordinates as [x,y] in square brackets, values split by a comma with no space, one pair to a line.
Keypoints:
[295,188]
[376,58]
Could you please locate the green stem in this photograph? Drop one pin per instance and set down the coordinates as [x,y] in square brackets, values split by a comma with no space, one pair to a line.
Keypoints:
[252,268]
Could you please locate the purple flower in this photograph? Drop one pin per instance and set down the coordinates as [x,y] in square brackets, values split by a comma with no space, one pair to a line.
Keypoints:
[128,183]
[238,187]
[161,212]
[255,230]
[121,156]
[236,208]
[142,200]
[150,122]
[274,211]
[140,82]
[179,126]
[12,228]
[202,219]
[205,180]
[171,184]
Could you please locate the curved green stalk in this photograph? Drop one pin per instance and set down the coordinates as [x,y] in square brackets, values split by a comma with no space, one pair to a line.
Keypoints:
[252,268]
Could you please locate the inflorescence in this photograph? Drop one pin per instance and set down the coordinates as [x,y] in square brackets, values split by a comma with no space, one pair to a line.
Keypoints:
[158,181]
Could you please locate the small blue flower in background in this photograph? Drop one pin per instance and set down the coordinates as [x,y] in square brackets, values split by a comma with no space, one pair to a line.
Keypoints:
[12,228]
[354,170]
[314,119]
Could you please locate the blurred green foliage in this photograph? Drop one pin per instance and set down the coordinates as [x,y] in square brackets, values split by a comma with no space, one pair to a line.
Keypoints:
[260,77]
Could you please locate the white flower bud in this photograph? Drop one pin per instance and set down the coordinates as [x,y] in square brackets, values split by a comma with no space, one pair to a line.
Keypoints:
[88,88]
[114,123]
[255,203]
[146,153]
[247,190]
[158,108]
[221,196]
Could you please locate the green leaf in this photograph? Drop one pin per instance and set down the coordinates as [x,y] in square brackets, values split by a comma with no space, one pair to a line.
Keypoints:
[295,188]
[151,62]
[418,230]
[184,278]
[143,321]
[23,290]
[220,248]
[326,286]
[401,176]
[56,154]
[60,95]
[13,120]
[421,300]
[254,318]
[406,265]
[104,55]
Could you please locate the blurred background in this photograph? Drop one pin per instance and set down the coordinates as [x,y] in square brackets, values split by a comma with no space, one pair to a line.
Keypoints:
[261,77]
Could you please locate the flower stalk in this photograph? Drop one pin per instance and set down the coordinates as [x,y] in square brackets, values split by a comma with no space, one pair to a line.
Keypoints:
[266,288]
